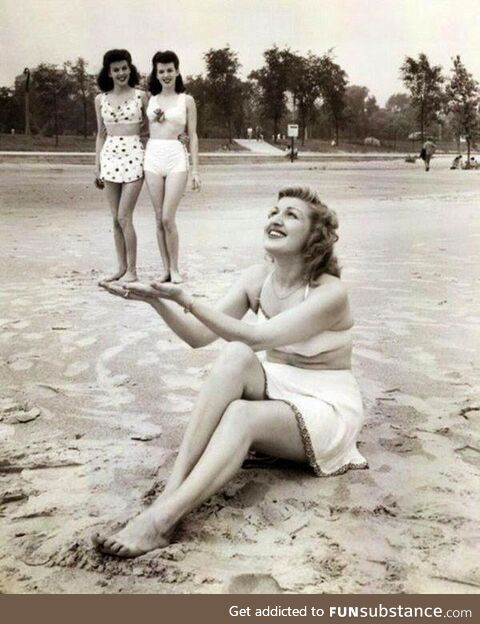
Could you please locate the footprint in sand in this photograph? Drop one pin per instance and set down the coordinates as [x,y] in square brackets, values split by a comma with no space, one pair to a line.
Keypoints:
[254,584]
[178,404]
[76,369]
[86,342]
[252,493]
[33,336]
[20,365]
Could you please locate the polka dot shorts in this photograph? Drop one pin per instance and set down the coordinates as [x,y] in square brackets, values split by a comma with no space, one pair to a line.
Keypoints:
[121,159]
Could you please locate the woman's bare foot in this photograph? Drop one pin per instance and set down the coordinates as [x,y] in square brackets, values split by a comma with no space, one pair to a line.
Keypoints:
[164,277]
[130,276]
[175,277]
[138,537]
[114,277]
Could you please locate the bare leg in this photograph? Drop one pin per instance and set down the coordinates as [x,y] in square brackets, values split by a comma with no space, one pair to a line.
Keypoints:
[269,426]
[175,184]
[156,190]
[114,192]
[128,200]
[236,374]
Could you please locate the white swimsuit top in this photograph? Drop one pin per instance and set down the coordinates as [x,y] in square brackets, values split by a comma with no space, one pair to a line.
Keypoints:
[175,116]
[328,340]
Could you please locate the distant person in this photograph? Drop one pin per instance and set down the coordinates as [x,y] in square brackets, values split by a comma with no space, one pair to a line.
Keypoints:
[249,133]
[119,153]
[456,162]
[473,163]
[12,131]
[258,134]
[170,112]
[428,150]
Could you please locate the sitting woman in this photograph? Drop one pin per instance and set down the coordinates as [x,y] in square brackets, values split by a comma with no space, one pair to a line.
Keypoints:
[299,402]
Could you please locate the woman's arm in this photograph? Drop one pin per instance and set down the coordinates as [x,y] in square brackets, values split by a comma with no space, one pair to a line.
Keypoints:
[101,132]
[319,312]
[190,329]
[192,134]
[144,128]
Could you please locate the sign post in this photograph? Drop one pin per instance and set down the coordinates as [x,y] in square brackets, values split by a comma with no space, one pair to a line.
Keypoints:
[292,132]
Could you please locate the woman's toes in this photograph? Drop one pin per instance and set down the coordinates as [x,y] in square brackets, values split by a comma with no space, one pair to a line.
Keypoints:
[98,539]
[124,551]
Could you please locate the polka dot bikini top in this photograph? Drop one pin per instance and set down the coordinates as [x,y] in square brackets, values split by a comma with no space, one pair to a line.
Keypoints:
[129,112]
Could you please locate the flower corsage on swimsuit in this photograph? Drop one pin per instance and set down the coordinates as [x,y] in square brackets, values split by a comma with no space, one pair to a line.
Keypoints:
[159,115]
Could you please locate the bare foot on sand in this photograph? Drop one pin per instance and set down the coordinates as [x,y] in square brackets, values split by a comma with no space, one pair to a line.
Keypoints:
[139,536]
[164,277]
[130,276]
[175,277]
[114,277]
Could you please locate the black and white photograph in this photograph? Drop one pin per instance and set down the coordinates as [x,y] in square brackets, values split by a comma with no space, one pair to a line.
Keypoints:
[240,309]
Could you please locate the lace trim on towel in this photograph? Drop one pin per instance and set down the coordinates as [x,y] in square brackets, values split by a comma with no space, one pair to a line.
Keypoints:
[307,442]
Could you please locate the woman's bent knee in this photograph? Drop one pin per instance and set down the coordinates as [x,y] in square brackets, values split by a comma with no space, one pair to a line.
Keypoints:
[238,352]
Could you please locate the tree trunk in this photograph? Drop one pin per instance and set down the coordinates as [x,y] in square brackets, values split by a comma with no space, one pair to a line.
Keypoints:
[422,123]
[84,115]
[468,150]
[56,119]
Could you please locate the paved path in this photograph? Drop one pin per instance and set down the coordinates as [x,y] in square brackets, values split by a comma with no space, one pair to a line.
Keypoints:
[259,147]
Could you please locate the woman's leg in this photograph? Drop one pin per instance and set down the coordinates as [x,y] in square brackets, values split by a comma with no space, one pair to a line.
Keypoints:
[269,426]
[156,190]
[236,374]
[113,191]
[128,200]
[175,184]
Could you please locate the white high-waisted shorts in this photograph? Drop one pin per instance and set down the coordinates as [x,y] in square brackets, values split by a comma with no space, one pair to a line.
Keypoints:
[163,157]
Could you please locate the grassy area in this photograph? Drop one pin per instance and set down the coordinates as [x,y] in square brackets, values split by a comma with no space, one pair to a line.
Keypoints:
[20,143]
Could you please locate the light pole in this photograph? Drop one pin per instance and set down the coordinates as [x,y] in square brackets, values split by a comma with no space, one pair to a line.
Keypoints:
[26,72]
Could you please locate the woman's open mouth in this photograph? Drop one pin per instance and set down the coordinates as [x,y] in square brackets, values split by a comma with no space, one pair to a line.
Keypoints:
[274,233]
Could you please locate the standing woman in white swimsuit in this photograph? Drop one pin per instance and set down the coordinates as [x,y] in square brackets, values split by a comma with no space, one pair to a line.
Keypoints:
[298,400]
[170,112]
[121,111]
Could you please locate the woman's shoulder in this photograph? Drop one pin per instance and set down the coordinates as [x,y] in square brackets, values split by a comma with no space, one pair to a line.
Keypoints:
[189,99]
[332,285]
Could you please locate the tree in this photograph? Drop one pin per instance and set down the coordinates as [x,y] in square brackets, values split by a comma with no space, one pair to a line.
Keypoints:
[8,110]
[424,82]
[52,87]
[334,83]
[463,99]
[224,86]
[84,85]
[359,108]
[272,79]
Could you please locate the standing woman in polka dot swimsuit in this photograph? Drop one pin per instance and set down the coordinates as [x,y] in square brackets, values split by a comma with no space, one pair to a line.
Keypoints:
[121,112]
[170,112]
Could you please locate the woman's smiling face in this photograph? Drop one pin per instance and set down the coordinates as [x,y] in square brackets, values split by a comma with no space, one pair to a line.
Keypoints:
[166,74]
[288,227]
[119,72]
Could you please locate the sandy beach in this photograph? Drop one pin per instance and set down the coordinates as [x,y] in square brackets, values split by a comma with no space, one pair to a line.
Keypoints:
[96,391]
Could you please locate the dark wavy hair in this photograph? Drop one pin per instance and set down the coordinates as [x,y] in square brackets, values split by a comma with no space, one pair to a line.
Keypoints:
[318,253]
[113,56]
[168,56]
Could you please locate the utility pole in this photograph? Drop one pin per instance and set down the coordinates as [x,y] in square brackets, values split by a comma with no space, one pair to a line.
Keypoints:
[26,72]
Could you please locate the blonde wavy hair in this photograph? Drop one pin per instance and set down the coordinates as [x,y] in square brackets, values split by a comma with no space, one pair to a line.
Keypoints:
[318,253]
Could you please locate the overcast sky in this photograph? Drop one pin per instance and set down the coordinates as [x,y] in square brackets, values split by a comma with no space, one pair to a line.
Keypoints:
[370,37]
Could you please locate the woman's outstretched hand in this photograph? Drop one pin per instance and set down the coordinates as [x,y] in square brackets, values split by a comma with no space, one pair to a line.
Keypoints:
[167,290]
[132,290]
